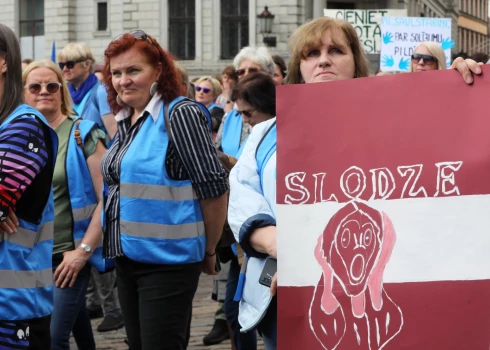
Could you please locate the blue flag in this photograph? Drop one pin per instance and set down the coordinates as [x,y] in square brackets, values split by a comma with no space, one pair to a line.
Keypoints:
[53,52]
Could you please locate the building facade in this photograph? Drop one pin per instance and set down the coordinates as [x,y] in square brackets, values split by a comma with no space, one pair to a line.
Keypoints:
[207,34]
[473,26]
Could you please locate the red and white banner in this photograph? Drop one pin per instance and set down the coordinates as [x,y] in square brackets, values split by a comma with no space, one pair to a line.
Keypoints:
[383,192]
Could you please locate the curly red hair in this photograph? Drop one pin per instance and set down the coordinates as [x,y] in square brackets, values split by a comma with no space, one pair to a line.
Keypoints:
[169,82]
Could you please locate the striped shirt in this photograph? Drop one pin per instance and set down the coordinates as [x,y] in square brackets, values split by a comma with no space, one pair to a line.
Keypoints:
[23,154]
[190,156]
[14,336]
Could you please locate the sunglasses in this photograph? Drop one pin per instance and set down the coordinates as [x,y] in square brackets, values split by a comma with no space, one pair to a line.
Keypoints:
[137,34]
[205,90]
[246,113]
[70,64]
[51,87]
[428,59]
[242,71]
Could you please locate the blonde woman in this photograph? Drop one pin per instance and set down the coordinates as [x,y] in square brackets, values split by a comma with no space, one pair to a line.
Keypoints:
[428,56]
[207,89]
[77,184]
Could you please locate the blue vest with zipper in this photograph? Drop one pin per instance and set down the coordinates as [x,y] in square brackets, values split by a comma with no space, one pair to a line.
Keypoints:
[26,282]
[232,133]
[82,194]
[160,218]
[254,309]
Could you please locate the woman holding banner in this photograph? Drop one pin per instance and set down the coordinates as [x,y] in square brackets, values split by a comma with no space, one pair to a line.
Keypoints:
[322,50]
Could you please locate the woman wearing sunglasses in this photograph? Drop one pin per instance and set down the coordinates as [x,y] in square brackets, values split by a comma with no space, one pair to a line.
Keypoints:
[166,193]
[428,56]
[89,96]
[322,50]
[207,90]
[77,185]
[28,149]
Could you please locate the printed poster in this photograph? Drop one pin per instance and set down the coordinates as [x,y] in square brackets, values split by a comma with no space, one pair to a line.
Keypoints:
[383,213]
[367,24]
[400,36]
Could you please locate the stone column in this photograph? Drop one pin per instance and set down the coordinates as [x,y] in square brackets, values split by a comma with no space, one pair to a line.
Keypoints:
[318,6]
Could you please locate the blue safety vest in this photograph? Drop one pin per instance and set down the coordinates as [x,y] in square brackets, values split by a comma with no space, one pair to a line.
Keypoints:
[214,105]
[82,194]
[26,276]
[160,218]
[232,133]
[265,149]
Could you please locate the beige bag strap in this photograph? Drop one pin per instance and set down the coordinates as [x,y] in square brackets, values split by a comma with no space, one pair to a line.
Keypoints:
[78,135]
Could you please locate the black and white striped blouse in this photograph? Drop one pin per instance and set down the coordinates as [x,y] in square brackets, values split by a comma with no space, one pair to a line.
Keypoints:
[191,156]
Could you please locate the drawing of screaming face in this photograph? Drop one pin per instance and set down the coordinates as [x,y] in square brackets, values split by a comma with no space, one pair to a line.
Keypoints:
[354,246]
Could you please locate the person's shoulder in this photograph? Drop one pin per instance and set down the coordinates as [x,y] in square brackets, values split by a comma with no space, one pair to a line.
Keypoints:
[255,137]
[186,108]
[26,115]
[101,90]
[260,129]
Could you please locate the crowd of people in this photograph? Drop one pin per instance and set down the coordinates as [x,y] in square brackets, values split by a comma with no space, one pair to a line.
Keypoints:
[145,179]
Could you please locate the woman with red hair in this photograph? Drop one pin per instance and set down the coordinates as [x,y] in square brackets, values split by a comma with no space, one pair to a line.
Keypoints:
[166,193]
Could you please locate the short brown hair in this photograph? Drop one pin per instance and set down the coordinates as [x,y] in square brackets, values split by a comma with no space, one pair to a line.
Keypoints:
[309,36]
[230,72]
[258,90]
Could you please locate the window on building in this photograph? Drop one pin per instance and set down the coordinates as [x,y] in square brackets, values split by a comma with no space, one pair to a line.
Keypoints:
[31,17]
[182,28]
[102,15]
[31,25]
[234,27]
[340,5]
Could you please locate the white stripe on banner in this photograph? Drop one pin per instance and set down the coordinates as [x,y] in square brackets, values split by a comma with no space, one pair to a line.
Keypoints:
[437,239]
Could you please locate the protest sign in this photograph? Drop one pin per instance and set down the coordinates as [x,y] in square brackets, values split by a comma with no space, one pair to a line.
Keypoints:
[367,24]
[382,213]
[402,34]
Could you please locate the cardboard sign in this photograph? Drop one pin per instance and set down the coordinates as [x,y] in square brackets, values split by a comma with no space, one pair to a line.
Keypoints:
[367,24]
[383,213]
[402,34]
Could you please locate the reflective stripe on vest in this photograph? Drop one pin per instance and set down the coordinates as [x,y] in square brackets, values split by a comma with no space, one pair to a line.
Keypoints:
[26,280]
[27,238]
[84,213]
[164,193]
[160,218]
[232,133]
[82,194]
